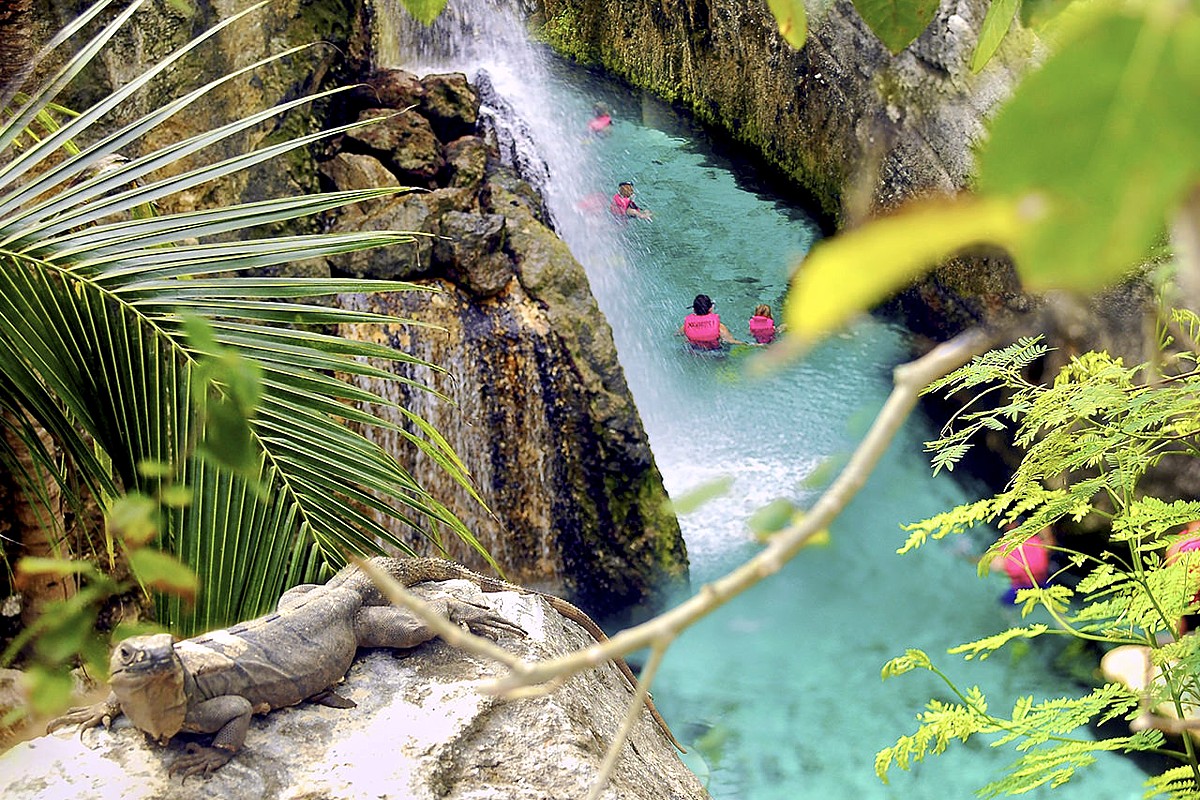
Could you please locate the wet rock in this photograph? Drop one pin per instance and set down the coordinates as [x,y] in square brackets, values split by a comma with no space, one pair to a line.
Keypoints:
[399,262]
[466,162]
[389,88]
[471,249]
[347,171]
[403,141]
[451,105]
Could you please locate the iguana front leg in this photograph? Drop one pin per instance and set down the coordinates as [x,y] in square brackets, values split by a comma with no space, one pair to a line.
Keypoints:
[391,626]
[102,713]
[229,717]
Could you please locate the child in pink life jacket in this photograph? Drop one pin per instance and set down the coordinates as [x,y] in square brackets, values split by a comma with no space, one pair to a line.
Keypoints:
[703,327]
[622,204]
[1028,565]
[1185,548]
[762,324]
[601,121]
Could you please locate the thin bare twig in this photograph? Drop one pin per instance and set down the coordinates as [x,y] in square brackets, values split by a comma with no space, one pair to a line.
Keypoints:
[658,633]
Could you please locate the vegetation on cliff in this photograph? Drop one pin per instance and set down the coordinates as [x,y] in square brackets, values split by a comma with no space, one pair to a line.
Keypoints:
[175,395]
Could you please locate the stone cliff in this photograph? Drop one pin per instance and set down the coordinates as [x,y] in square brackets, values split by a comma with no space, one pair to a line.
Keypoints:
[544,419]
[858,127]
[422,729]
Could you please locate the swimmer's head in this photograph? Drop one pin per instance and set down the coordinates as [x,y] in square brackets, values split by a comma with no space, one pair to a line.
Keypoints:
[762,310]
[702,304]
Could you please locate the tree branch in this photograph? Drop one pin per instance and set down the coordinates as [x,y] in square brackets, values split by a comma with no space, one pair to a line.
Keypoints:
[909,381]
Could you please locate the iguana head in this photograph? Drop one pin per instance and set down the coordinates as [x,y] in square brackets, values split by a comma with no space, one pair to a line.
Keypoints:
[148,678]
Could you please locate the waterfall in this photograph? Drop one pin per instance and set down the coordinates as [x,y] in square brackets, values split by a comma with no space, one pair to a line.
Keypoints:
[535,132]
[500,123]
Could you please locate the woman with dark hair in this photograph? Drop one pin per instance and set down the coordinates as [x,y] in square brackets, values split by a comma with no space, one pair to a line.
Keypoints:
[703,327]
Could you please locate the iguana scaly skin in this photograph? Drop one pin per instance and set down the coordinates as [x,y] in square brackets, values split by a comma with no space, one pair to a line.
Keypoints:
[214,683]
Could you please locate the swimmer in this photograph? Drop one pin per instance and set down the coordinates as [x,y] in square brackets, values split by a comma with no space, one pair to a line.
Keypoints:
[703,327]
[623,205]
[762,324]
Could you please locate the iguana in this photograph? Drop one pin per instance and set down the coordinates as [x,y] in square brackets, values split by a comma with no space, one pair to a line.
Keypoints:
[214,683]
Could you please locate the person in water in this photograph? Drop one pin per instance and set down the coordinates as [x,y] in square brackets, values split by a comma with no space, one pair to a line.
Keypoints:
[601,121]
[1028,565]
[703,327]
[762,324]
[1185,549]
[623,205]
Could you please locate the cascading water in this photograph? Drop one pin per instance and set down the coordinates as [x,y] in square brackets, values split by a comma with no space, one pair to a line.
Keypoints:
[778,693]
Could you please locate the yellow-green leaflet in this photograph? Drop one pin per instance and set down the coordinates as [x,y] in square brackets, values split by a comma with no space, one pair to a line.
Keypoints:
[792,19]
[852,272]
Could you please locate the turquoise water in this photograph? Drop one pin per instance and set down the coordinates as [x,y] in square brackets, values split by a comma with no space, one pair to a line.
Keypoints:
[781,688]
[778,694]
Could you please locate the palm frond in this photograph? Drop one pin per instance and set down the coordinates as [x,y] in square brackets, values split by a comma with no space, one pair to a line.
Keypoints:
[93,344]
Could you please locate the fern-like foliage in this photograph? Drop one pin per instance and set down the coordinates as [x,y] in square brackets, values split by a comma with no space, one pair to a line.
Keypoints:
[1089,439]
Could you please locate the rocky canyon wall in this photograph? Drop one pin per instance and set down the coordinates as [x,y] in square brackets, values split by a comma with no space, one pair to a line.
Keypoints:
[543,418]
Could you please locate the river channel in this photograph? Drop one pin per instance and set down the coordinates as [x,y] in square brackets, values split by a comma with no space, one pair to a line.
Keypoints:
[778,695]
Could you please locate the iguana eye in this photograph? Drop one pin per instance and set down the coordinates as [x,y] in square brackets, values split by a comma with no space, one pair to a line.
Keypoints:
[125,653]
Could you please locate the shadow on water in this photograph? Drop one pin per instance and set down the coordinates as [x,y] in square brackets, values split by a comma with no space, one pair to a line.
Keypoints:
[778,693]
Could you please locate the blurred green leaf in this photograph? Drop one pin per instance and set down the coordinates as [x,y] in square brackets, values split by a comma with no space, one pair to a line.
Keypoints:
[1115,150]
[424,11]
[773,517]
[160,571]
[49,689]
[33,565]
[134,518]
[176,496]
[1035,13]
[995,27]
[824,473]
[897,22]
[125,629]
[792,20]
[66,635]
[854,271]
[692,500]
[228,438]
[149,468]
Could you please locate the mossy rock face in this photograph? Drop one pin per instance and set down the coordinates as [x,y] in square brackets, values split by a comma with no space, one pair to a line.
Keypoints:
[399,262]
[404,142]
[837,116]
[545,421]
[466,162]
[388,88]
[470,247]
[450,104]
[333,28]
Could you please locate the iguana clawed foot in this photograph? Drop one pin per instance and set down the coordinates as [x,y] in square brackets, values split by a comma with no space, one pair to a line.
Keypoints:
[199,760]
[479,619]
[85,717]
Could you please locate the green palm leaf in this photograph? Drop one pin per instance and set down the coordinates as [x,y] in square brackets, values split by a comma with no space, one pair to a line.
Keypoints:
[95,346]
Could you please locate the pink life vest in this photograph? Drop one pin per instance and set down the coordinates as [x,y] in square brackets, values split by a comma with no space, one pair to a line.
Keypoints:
[703,330]
[599,123]
[620,204]
[1029,559]
[762,329]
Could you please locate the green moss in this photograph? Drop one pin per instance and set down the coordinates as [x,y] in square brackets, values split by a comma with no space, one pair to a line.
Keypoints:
[323,21]
[564,33]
